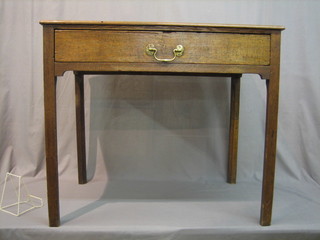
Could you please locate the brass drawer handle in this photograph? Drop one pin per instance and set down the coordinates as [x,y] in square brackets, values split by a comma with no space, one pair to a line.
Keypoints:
[152,51]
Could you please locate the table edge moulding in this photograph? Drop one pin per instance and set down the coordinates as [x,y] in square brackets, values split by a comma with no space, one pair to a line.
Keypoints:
[186,49]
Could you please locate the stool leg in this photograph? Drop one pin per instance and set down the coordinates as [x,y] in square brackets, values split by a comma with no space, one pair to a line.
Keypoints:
[80,123]
[234,128]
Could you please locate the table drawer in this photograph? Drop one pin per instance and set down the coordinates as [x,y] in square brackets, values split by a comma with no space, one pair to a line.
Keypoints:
[130,47]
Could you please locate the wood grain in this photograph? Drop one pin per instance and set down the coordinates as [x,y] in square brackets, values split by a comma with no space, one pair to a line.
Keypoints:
[129,47]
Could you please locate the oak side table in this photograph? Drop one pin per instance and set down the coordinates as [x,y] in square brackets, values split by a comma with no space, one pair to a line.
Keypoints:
[98,47]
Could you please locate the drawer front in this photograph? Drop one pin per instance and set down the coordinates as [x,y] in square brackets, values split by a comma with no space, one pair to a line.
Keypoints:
[130,47]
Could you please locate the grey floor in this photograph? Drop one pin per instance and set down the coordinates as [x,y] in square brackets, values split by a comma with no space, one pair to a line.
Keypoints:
[168,210]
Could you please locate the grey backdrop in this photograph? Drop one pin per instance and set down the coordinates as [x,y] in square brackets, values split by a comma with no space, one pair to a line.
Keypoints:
[162,129]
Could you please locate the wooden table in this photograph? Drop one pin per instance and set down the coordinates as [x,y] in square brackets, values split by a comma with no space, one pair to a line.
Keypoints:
[160,48]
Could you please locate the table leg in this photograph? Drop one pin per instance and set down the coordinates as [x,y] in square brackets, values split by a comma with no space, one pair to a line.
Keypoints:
[50,117]
[234,128]
[270,151]
[51,149]
[271,132]
[80,123]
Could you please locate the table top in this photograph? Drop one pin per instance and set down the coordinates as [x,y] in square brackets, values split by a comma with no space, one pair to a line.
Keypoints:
[247,26]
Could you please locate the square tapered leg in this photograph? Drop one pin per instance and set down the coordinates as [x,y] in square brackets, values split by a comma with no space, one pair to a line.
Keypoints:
[234,129]
[80,123]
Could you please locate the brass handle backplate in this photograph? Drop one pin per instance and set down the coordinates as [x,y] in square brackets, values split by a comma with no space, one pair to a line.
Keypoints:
[152,51]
